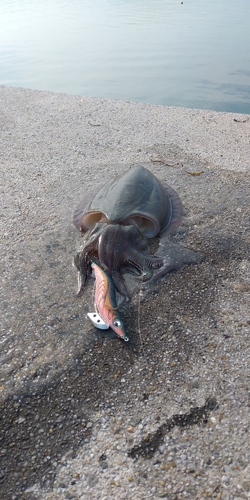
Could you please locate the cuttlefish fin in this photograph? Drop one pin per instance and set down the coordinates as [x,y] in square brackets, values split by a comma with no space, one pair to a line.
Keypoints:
[176,212]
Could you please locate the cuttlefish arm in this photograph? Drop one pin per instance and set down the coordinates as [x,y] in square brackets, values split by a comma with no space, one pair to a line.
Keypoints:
[82,259]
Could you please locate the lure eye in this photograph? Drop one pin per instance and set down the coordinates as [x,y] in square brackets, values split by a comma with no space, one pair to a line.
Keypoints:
[117,322]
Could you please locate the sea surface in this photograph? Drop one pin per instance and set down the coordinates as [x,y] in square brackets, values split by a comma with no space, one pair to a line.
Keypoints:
[194,53]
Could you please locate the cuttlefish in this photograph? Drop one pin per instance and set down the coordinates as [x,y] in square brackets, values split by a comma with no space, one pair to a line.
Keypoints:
[119,222]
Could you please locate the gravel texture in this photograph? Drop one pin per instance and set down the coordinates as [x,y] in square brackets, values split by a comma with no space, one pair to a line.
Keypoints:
[83,414]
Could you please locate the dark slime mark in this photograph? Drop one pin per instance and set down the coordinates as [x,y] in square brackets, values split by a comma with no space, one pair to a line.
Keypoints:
[151,443]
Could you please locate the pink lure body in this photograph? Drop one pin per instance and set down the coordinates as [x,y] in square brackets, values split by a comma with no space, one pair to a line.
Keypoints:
[105,301]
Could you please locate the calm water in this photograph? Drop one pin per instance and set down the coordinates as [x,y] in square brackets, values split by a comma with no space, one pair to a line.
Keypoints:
[195,55]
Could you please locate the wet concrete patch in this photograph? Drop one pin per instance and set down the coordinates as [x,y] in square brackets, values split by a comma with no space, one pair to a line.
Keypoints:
[151,443]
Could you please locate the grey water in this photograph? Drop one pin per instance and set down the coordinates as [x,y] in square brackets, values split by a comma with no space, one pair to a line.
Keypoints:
[194,53]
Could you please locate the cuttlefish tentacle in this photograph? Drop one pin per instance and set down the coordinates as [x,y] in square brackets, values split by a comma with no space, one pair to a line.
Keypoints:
[120,285]
[149,267]
[138,262]
[82,263]
[160,270]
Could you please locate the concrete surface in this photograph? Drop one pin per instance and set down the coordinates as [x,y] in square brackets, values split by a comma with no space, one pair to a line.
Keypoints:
[83,414]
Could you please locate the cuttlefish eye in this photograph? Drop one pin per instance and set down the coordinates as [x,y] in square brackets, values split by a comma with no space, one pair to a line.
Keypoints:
[117,323]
